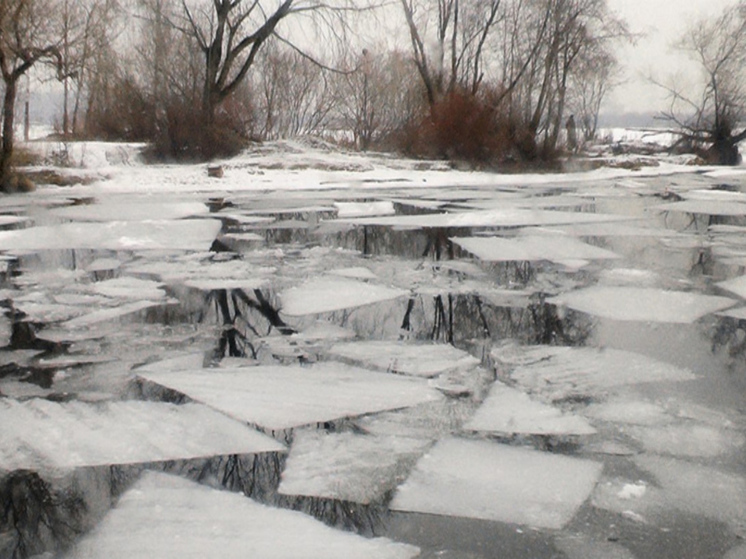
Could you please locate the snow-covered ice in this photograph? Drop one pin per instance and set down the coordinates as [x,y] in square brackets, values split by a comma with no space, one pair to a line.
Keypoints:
[165,517]
[532,248]
[347,466]
[490,481]
[324,295]
[276,397]
[642,304]
[40,434]
[508,410]
[421,360]
[560,372]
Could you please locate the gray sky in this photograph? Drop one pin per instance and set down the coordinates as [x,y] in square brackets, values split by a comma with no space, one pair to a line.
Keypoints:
[662,21]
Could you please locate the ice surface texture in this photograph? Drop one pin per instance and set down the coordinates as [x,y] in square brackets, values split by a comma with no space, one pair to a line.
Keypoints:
[164,517]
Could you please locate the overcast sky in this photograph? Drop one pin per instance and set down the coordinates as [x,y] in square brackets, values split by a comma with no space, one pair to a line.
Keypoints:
[662,21]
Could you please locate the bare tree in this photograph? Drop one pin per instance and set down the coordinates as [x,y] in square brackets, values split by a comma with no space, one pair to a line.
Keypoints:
[231,33]
[712,115]
[27,37]
[448,39]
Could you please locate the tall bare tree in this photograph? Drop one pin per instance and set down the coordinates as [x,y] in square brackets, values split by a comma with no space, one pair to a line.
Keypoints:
[712,114]
[28,36]
[448,39]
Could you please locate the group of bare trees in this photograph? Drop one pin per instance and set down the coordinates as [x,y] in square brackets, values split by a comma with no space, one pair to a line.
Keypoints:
[198,77]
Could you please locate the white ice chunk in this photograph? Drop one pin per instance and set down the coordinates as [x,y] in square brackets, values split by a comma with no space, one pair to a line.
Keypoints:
[348,467]
[704,207]
[422,360]
[354,273]
[327,295]
[559,372]
[130,288]
[556,248]
[501,217]
[511,411]
[633,412]
[103,265]
[166,517]
[278,397]
[362,209]
[40,434]
[118,210]
[103,315]
[190,234]
[477,479]
[642,304]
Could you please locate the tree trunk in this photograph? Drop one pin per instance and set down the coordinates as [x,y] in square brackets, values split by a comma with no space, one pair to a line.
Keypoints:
[6,150]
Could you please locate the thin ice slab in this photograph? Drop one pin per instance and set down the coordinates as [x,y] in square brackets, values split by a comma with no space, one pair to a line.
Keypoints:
[276,397]
[555,248]
[347,466]
[501,217]
[561,372]
[642,304]
[40,434]
[188,234]
[334,294]
[421,360]
[118,210]
[735,285]
[489,481]
[508,410]
[166,517]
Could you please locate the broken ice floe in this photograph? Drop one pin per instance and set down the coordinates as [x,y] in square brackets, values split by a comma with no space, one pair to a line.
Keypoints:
[165,517]
[421,360]
[188,234]
[347,466]
[39,434]
[327,295]
[113,313]
[510,411]
[532,248]
[642,304]
[130,288]
[477,479]
[501,217]
[118,210]
[561,372]
[361,209]
[276,397]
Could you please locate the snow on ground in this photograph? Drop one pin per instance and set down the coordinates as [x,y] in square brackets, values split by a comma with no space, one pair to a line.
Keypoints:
[167,517]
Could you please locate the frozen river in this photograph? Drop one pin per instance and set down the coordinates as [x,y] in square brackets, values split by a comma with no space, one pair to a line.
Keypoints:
[404,365]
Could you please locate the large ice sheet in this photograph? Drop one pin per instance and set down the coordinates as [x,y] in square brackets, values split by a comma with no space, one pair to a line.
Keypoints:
[476,479]
[40,434]
[119,210]
[166,517]
[510,411]
[188,234]
[277,397]
[422,360]
[500,217]
[324,295]
[555,248]
[559,372]
[642,304]
[348,466]
[687,439]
